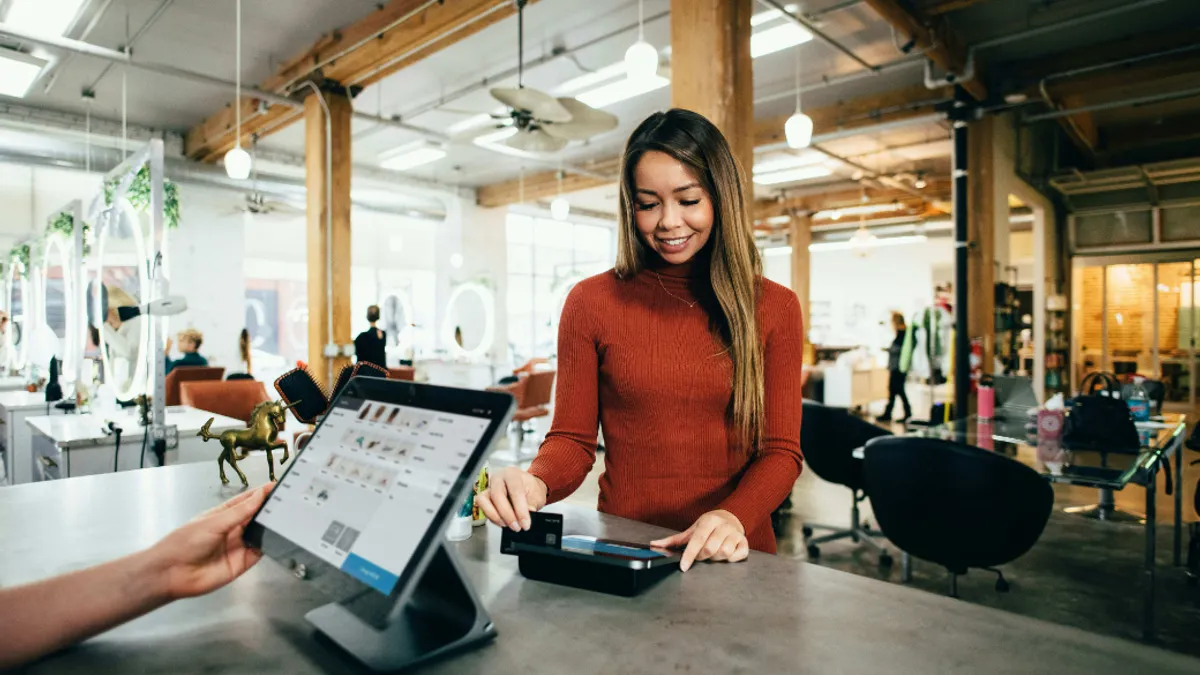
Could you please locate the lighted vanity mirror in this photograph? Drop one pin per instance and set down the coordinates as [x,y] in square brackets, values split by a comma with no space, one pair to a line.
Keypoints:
[18,300]
[470,323]
[121,264]
[57,294]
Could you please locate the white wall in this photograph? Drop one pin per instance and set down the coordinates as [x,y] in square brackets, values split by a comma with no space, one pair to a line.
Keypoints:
[858,294]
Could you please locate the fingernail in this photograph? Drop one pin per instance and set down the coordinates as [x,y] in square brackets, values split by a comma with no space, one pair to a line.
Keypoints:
[516,527]
[526,524]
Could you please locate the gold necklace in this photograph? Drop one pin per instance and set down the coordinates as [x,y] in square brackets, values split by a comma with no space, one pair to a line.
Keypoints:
[664,287]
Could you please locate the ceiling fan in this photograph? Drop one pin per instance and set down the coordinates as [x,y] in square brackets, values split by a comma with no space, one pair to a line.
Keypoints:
[255,202]
[545,123]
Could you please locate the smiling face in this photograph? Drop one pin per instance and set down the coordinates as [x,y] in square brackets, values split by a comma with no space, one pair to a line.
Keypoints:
[673,213]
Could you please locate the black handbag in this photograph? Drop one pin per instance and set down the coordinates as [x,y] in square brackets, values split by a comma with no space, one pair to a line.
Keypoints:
[1099,420]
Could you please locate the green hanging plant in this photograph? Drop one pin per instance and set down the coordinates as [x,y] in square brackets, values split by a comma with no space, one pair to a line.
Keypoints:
[63,226]
[139,196]
[21,254]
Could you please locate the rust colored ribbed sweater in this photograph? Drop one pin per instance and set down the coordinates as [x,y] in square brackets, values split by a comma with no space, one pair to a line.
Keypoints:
[635,358]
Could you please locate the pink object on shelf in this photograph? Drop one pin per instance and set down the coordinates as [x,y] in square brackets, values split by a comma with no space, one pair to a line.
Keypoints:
[987,402]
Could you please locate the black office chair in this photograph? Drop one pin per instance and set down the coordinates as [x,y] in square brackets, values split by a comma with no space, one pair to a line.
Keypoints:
[828,438]
[239,376]
[954,504]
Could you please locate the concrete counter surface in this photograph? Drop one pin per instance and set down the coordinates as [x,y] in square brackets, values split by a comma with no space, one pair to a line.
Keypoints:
[767,615]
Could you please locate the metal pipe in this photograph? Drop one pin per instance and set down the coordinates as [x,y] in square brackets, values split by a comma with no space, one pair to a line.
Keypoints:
[158,12]
[814,16]
[1048,28]
[1120,62]
[115,56]
[91,26]
[1124,103]
[962,354]
[328,219]
[904,62]
[810,27]
[859,131]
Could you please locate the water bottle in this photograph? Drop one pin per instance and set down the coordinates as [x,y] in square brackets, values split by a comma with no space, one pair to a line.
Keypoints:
[1139,402]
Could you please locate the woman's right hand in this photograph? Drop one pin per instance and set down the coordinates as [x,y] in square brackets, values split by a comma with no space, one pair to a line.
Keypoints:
[512,493]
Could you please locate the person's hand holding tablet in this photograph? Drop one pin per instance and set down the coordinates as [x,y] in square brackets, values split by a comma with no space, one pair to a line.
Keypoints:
[512,493]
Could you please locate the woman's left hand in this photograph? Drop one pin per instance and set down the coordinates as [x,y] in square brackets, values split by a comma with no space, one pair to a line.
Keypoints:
[717,536]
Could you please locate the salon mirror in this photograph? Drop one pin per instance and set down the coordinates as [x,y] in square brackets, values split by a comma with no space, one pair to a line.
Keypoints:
[121,269]
[18,298]
[469,325]
[57,292]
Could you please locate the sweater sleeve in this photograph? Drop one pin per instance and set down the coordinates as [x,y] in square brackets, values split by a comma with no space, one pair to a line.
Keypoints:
[569,451]
[769,479]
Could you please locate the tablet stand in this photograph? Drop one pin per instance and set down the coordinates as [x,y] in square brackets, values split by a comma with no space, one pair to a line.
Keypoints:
[442,616]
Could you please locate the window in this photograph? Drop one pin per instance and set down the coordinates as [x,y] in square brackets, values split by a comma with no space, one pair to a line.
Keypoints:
[546,258]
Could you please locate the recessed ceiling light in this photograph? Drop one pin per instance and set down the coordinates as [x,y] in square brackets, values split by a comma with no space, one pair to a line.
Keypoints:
[777,39]
[789,160]
[769,15]
[615,92]
[793,175]
[47,17]
[411,156]
[18,72]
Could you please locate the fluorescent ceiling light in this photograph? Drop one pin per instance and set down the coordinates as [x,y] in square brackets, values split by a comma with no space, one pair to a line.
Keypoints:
[589,80]
[472,122]
[770,15]
[496,137]
[615,92]
[790,160]
[778,250]
[411,156]
[793,175]
[864,210]
[875,243]
[18,72]
[777,39]
[47,17]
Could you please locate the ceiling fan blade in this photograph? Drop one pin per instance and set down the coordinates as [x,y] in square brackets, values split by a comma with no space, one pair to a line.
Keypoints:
[536,141]
[469,135]
[283,208]
[538,104]
[585,122]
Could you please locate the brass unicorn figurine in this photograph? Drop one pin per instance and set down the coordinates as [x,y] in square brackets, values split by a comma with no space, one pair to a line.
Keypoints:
[263,434]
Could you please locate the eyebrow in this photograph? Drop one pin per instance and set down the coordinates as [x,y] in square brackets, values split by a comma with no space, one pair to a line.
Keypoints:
[681,188]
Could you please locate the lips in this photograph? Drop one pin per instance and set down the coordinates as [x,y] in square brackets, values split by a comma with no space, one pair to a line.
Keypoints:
[675,245]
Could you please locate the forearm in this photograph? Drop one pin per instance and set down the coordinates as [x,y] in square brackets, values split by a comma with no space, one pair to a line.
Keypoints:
[763,487]
[45,616]
[563,462]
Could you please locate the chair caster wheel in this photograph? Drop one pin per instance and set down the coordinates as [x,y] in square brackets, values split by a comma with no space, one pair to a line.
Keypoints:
[885,560]
[814,551]
[806,531]
[1002,586]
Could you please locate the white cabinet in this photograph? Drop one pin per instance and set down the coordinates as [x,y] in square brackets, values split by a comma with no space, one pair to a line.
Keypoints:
[846,388]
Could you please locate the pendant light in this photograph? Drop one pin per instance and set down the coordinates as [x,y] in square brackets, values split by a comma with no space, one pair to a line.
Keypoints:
[799,127]
[237,160]
[641,59]
[560,208]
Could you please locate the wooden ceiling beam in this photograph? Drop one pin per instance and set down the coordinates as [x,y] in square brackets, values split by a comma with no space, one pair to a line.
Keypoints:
[395,36]
[939,7]
[935,35]
[848,198]
[901,104]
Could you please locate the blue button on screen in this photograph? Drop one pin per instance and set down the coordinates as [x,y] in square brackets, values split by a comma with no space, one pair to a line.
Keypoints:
[370,574]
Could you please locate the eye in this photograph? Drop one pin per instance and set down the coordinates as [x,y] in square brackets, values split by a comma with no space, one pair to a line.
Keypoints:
[689,202]
[645,207]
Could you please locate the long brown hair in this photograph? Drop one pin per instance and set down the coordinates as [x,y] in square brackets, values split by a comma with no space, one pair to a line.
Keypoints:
[735,267]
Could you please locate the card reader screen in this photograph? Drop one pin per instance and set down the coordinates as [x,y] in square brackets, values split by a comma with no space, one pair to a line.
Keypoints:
[602,547]
[369,483]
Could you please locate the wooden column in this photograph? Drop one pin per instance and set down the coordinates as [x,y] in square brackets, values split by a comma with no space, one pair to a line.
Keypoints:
[711,70]
[981,228]
[328,248]
[800,238]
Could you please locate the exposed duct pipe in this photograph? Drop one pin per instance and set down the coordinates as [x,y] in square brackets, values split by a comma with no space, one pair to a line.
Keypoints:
[114,56]
[1109,105]
[811,28]
[1069,23]
[898,64]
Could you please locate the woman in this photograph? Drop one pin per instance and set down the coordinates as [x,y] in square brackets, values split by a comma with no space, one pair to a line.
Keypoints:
[371,345]
[123,338]
[684,353]
[896,376]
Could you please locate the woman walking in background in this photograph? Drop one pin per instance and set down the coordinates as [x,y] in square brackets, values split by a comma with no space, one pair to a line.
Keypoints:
[896,376]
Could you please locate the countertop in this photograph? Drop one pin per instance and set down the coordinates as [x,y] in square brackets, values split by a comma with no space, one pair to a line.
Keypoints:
[766,615]
[85,430]
[23,400]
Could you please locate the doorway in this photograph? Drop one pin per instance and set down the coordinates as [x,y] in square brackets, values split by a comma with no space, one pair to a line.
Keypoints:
[1134,317]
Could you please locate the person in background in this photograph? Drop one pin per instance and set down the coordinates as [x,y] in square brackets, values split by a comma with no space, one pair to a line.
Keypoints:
[896,376]
[685,354]
[44,616]
[189,345]
[244,351]
[371,345]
